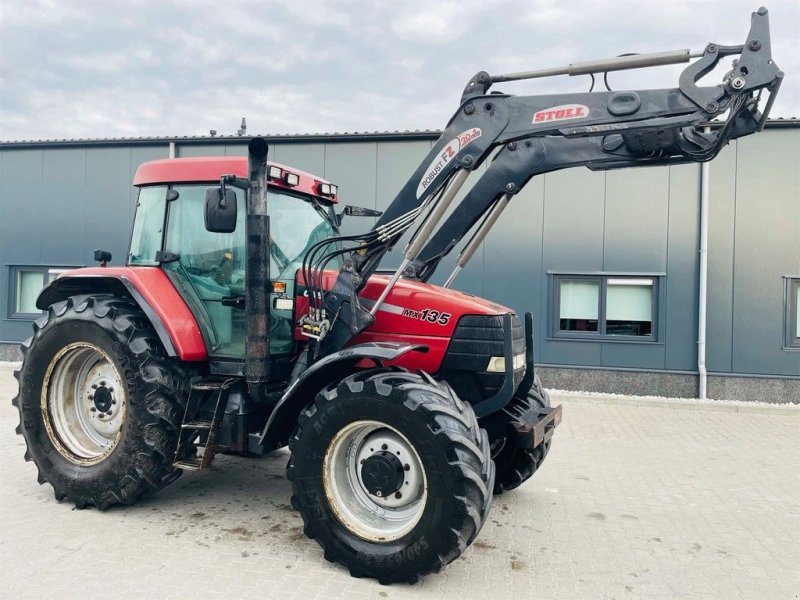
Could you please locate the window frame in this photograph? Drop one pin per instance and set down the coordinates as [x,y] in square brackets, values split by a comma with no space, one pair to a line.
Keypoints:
[49,273]
[557,334]
[791,341]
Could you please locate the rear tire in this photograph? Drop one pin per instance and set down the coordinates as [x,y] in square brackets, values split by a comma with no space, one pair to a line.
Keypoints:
[516,465]
[80,347]
[437,446]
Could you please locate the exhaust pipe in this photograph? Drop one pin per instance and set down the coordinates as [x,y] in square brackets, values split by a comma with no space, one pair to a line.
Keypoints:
[256,366]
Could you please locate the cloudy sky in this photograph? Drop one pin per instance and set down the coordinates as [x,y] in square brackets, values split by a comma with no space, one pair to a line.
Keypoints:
[110,68]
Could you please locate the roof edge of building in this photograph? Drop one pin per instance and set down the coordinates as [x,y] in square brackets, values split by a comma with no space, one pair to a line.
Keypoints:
[295,138]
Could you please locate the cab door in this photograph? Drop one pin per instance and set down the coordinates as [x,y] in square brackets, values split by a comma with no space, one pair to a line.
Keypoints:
[208,269]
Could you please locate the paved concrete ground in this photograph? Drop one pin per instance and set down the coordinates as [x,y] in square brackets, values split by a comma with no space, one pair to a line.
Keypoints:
[633,502]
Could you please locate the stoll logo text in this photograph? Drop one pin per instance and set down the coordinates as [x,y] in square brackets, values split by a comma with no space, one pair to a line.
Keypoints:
[445,156]
[561,113]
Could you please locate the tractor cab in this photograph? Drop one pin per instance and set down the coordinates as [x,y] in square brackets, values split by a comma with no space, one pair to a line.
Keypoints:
[208,268]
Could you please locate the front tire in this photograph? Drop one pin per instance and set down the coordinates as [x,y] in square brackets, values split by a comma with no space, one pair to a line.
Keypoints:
[99,403]
[516,465]
[391,474]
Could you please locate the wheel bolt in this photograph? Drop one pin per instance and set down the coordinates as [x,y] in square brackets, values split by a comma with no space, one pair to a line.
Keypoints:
[94,386]
[406,467]
[110,389]
[109,413]
[93,409]
[101,415]
[398,495]
[379,493]
[384,447]
[113,401]
[363,460]
[103,383]
[91,396]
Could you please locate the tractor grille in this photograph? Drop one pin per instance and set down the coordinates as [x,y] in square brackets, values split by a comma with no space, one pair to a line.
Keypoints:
[476,339]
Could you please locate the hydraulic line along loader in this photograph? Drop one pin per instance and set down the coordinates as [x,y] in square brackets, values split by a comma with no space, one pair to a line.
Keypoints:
[244,321]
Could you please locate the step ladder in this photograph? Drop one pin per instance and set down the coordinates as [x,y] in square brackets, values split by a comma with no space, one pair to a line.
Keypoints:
[193,426]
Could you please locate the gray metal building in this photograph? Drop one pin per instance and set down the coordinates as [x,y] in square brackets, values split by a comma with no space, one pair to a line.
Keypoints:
[607,262]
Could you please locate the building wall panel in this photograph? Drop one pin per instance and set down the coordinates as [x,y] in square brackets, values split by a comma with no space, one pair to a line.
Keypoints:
[307,157]
[63,193]
[22,205]
[721,221]
[680,293]
[636,209]
[767,248]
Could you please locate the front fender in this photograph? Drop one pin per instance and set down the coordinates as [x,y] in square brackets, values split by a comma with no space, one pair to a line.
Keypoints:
[153,292]
[333,367]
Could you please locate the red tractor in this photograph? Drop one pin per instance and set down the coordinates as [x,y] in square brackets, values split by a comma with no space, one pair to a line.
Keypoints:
[244,321]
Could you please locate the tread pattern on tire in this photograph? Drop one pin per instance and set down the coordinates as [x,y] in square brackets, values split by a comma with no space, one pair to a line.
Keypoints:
[468,455]
[161,382]
[525,462]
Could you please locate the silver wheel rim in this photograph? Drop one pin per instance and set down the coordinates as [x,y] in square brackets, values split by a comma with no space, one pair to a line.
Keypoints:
[83,403]
[373,516]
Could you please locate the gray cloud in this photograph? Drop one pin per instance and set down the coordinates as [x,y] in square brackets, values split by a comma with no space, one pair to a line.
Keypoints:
[102,68]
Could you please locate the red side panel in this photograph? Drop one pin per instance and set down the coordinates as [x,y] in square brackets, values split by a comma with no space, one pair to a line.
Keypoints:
[157,290]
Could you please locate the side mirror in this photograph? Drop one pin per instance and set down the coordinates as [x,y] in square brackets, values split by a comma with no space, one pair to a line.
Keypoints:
[357,211]
[220,211]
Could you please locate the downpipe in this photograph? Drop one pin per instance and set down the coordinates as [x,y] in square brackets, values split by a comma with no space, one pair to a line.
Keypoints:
[256,366]
[703,282]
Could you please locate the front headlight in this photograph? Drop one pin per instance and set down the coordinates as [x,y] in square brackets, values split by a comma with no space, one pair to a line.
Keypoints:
[497,364]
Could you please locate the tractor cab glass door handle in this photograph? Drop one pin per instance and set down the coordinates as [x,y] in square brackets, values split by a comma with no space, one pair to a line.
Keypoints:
[234,301]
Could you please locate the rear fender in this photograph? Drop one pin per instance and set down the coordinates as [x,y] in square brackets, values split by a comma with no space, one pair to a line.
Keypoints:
[332,368]
[152,291]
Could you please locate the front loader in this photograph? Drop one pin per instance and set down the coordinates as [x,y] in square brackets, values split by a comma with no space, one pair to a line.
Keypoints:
[244,321]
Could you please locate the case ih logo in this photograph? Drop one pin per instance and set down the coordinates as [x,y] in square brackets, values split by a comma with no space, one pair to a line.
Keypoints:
[445,156]
[561,113]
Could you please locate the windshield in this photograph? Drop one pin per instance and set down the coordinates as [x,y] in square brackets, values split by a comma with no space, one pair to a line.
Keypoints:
[295,225]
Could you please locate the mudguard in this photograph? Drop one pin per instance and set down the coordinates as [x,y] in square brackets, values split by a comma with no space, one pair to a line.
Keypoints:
[333,367]
[151,289]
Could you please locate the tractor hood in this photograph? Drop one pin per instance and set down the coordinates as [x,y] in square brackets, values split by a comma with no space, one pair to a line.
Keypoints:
[414,313]
[421,308]
[412,308]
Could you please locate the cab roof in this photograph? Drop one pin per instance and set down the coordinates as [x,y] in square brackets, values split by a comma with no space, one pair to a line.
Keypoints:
[209,169]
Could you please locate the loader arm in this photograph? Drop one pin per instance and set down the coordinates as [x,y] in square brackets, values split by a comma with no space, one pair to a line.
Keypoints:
[518,162]
[548,132]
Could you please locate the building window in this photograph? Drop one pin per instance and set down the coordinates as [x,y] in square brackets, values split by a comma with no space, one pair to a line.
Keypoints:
[629,306]
[605,307]
[26,283]
[579,306]
[793,312]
